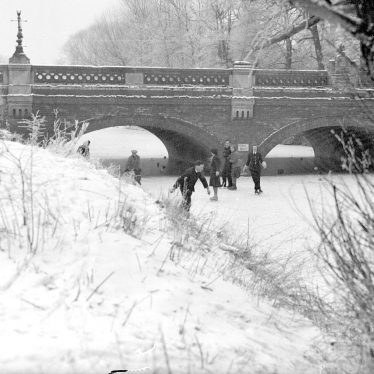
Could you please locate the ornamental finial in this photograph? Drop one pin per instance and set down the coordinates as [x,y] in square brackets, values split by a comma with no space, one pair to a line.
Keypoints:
[19,56]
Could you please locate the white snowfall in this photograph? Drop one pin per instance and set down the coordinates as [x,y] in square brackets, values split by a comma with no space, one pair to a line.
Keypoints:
[93,299]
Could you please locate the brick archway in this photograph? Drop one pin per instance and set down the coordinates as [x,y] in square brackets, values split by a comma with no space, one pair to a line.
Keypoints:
[323,133]
[184,141]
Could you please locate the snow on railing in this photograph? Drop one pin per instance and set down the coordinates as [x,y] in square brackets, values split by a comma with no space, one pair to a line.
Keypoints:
[194,77]
[291,78]
[78,75]
[117,75]
[161,76]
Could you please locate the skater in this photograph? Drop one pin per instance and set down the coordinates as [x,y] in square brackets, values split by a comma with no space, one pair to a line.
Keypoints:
[235,161]
[254,163]
[186,183]
[134,164]
[214,178]
[84,149]
[226,171]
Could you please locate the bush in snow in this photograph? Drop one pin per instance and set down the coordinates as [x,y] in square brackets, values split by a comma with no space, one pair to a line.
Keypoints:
[347,250]
[26,220]
[66,136]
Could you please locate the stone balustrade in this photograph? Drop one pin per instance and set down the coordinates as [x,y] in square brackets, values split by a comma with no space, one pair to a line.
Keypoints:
[121,75]
[78,75]
[149,76]
[290,78]
[193,77]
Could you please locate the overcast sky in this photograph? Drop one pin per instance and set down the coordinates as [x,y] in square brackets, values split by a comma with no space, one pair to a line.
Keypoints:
[49,25]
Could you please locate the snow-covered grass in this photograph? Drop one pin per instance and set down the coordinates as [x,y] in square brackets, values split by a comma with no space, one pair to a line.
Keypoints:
[96,277]
[286,224]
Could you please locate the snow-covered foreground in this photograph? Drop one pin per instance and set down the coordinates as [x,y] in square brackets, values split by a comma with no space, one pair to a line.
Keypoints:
[79,294]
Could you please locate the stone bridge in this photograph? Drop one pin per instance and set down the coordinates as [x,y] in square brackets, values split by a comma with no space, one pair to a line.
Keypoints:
[192,110]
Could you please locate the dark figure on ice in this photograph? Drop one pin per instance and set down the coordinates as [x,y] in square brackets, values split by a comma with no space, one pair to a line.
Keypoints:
[236,165]
[214,178]
[254,162]
[226,171]
[134,165]
[84,149]
[186,183]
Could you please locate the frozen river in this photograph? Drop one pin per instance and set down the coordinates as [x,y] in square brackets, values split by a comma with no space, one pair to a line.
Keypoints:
[278,221]
[281,212]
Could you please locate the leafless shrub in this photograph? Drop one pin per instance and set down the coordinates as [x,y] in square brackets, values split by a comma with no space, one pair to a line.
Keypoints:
[65,137]
[186,228]
[35,127]
[346,249]
[26,220]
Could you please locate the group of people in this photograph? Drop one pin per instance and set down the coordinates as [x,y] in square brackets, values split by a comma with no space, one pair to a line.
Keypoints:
[230,171]
[133,164]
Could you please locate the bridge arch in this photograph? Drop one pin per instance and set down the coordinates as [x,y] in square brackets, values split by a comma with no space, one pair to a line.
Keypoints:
[322,132]
[184,141]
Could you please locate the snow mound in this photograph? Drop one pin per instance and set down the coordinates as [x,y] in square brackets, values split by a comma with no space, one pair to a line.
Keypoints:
[85,289]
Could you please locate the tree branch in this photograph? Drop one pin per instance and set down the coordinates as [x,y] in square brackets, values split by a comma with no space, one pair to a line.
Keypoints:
[327,11]
[306,24]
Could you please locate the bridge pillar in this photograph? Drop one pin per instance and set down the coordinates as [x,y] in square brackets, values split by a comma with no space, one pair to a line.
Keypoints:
[19,100]
[242,91]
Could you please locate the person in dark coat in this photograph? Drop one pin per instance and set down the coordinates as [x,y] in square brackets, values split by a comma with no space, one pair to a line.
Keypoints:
[236,163]
[134,164]
[254,163]
[226,171]
[214,178]
[186,183]
[84,149]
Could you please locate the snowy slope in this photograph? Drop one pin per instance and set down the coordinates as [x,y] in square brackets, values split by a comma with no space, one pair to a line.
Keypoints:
[93,298]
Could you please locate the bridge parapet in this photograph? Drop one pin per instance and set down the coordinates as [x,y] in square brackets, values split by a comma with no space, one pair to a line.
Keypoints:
[291,78]
[150,76]
[194,77]
[112,75]
[78,75]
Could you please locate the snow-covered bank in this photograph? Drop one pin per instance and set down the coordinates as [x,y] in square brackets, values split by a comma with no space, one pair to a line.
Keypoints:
[100,292]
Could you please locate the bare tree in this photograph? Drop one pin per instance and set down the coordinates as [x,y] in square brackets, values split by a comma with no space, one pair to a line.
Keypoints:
[196,33]
[357,17]
[225,14]
[317,47]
